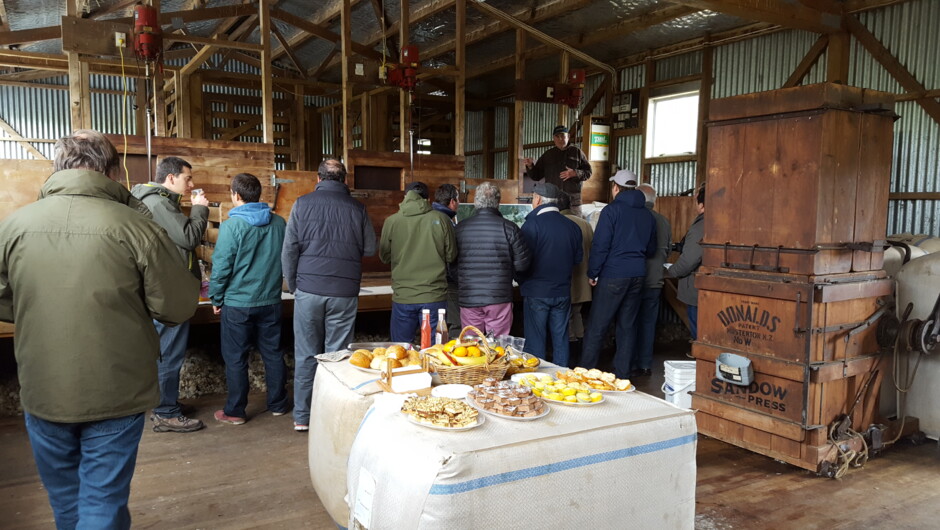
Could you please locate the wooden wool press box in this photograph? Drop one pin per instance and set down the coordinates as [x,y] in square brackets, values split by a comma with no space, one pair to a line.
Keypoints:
[814,353]
[798,180]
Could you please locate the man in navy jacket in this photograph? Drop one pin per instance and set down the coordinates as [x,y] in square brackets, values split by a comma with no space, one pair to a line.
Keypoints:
[625,237]
[555,246]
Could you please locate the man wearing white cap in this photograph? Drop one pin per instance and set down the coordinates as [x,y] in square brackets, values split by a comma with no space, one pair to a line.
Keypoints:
[625,237]
[563,165]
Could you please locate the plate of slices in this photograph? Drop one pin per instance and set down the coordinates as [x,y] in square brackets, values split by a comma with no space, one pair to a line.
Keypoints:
[544,412]
[480,419]
[579,403]
[629,389]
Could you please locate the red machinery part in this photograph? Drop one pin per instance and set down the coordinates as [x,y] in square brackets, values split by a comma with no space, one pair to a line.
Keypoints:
[148,36]
[405,75]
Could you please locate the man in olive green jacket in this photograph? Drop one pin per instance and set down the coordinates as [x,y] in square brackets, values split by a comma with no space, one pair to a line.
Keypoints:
[419,242]
[81,276]
[173,181]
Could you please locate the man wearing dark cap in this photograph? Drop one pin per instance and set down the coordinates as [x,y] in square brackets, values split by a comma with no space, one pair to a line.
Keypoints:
[563,165]
[555,246]
[625,237]
[418,242]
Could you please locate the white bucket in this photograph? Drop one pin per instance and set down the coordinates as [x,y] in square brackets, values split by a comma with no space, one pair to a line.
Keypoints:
[680,380]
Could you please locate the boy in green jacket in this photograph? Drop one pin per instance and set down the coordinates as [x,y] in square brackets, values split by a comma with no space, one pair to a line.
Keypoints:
[245,289]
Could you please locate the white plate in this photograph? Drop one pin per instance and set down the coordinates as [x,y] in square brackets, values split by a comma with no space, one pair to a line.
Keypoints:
[519,377]
[366,370]
[578,404]
[615,392]
[545,410]
[480,419]
[451,391]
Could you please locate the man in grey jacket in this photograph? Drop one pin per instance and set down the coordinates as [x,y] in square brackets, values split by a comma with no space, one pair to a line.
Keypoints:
[172,182]
[328,233]
[689,261]
[652,289]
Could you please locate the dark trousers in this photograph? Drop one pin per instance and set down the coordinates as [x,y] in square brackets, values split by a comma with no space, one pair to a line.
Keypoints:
[646,327]
[406,320]
[239,326]
[544,317]
[614,298]
[692,312]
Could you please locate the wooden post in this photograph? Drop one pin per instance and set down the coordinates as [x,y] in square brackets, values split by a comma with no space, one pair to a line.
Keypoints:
[197,111]
[563,78]
[267,87]
[79,89]
[404,97]
[518,113]
[183,110]
[837,66]
[365,126]
[704,98]
[297,128]
[346,53]
[645,169]
[158,104]
[489,162]
[140,99]
[460,116]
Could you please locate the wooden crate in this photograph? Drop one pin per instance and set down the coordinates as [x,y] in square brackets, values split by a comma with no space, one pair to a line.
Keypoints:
[802,394]
[791,321]
[798,180]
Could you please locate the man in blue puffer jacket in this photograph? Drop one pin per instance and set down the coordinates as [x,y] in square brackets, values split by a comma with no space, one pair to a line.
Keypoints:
[245,288]
[625,237]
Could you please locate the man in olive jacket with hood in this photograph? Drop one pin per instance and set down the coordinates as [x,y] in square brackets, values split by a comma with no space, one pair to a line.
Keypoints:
[419,242]
[173,181]
[82,273]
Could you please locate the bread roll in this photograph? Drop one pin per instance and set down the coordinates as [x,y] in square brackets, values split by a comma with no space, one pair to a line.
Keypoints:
[376,363]
[396,352]
[378,351]
[360,359]
[367,353]
[393,363]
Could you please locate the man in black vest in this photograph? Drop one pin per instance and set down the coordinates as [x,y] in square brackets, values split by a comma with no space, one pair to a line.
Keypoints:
[327,235]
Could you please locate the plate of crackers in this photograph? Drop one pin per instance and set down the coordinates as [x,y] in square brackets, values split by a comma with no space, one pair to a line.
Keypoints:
[443,414]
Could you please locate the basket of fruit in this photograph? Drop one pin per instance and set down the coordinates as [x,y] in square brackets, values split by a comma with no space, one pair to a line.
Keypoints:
[468,361]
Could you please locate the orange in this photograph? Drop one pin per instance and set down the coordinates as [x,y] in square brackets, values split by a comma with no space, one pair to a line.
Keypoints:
[473,351]
[499,351]
[460,351]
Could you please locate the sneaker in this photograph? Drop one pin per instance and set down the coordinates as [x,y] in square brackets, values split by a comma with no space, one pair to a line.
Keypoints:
[178,424]
[299,427]
[232,420]
[278,413]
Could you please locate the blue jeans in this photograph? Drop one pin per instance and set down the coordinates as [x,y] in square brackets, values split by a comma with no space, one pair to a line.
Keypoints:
[406,319]
[646,327]
[550,313]
[321,323]
[692,312]
[173,341]
[239,325]
[614,298]
[87,468]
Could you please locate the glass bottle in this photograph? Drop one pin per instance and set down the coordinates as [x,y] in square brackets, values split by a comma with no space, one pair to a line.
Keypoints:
[425,328]
[440,335]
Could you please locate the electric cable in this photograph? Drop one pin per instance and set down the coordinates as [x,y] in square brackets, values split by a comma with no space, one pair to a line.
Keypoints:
[127,174]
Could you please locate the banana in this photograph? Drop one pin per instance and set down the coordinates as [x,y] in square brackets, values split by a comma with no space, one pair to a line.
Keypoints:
[470,361]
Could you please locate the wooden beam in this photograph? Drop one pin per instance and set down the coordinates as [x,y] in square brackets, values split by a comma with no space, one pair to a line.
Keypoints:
[120,5]
[324,16]
[290,52]
[249,125]
[914,96]
[837,65]
[216,42]
[602,34]
[267,88]
[787,14]
[518,115]
[30,75]
[346,47]
[326,62]
[20,140]
[809,60]
[27,36]
[891,64]
[322,32]
[4,21]
[460,115]
[564,64]
[704,102]
[404,97]
[209,49]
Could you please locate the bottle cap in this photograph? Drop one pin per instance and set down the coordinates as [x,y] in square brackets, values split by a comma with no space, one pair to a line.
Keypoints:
[428,311]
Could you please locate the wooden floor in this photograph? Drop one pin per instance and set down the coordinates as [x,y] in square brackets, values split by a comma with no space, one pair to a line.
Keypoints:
[256,476]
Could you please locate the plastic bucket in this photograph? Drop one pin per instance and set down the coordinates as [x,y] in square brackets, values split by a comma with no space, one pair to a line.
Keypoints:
[680,380]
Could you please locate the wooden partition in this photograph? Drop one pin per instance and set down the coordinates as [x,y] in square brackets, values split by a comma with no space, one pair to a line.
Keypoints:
[20,182]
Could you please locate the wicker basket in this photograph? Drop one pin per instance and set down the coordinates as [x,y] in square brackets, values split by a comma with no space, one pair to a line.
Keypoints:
[474,375]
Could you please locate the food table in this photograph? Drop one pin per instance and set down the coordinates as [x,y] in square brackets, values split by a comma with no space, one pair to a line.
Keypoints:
[629,460]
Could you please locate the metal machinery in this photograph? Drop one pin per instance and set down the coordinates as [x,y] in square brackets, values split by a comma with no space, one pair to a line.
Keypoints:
[148,47]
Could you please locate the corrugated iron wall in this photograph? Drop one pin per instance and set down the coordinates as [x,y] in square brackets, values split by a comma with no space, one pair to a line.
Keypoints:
[38,113]
[916,161]
[673,178]
[679,66]
[763,63]
[630,153]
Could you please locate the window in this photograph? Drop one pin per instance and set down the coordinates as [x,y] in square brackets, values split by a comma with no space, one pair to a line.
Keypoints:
[672,125]
[426,144]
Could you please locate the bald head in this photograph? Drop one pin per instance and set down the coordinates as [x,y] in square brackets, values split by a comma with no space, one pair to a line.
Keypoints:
[332,169]
[649,192]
